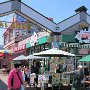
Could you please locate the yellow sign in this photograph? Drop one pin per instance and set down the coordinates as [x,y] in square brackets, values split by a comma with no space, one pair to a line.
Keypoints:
[16,25]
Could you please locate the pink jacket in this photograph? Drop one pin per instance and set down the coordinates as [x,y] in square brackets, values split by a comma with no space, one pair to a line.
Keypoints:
[16,81]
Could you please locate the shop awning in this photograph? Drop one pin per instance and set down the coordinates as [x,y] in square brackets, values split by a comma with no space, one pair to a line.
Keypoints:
[21,57]
[35,57]
[86,58]
[53,52]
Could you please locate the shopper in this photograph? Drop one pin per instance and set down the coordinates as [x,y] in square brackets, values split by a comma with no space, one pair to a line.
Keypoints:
[15,78]
[78,76]
[27,75]
[86,71]
[35,69]
[87,82]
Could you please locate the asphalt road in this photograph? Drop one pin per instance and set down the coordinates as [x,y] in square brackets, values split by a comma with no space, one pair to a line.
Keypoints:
[3,86]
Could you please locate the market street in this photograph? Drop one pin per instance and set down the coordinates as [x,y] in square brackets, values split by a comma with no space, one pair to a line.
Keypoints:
[3,81]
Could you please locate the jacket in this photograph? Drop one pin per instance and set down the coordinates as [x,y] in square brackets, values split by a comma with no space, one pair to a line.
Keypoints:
[16,81]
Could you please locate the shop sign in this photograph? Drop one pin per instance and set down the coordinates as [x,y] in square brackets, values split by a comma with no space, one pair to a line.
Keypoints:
[19,48]
[83,51]
[82,26]
[43,34]
[16,25]
[83,36]
[33,39]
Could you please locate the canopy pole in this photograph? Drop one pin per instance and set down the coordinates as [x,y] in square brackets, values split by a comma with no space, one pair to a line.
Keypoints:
[75,62]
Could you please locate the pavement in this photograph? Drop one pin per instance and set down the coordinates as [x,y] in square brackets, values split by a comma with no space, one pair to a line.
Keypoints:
[3,82]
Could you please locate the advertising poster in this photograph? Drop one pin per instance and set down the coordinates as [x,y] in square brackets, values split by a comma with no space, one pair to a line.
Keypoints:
[40,79]
[32,76]
[45,78]
[65,80]
[52,67]
[55,78]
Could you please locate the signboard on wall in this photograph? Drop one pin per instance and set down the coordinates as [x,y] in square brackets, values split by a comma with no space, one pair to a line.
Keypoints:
[42,34]
[33,39]
[19,48]
[83,36]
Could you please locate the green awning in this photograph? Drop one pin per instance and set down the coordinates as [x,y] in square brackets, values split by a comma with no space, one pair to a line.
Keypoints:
[42,40]
[86,58]
[28,45]
[68,38]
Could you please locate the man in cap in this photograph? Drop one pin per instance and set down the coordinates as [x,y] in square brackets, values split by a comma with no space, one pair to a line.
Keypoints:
[78,76]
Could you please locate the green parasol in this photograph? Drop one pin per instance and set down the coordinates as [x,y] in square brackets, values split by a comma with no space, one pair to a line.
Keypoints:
[86,58]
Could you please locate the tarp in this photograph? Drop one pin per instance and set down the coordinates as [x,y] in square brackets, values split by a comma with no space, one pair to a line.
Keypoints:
[86,58]
[53,52]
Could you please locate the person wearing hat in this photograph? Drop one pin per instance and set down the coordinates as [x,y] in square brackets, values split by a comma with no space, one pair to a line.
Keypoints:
[15,81]
[78,76]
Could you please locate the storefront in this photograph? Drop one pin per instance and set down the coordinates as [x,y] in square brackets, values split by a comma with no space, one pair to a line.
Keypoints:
[71,34]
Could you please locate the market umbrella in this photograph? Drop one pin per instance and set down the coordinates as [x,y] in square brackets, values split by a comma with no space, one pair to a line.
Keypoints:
[35,57]
[21,57]
[1,55]
[53,53]
[6,52]
[86,58]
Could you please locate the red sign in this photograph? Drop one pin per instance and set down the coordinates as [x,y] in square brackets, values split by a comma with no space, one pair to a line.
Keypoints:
[19,48]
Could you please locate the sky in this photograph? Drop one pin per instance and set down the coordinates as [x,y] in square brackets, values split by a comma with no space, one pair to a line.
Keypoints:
[56,9]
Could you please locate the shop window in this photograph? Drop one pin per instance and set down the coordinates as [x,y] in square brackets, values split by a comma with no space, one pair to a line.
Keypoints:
[31,51]
[47,46]
[37,49]
[42,47]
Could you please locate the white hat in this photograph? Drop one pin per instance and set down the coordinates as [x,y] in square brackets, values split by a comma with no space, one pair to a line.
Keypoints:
[80,66]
